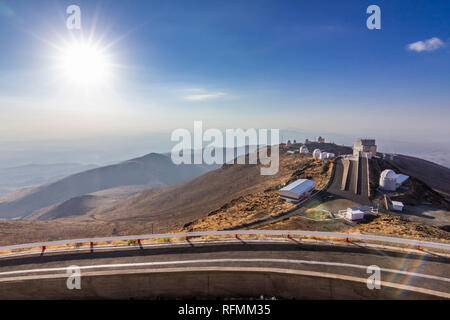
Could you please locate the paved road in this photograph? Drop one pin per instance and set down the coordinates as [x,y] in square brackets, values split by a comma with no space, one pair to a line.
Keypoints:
[429,271]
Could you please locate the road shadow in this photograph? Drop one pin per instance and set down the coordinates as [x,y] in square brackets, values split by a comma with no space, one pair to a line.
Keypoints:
[209,248]
[190,243]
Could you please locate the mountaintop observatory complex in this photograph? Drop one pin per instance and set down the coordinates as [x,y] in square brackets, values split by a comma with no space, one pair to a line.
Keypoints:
[365,147]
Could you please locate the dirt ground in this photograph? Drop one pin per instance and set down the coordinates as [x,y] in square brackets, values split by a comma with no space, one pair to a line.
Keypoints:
[335,205]
[401,226]
[427,214]
[302,222]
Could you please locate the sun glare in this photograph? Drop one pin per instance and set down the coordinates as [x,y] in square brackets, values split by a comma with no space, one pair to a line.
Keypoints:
[85,64]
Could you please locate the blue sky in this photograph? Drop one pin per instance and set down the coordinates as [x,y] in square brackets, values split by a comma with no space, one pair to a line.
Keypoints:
[306,65]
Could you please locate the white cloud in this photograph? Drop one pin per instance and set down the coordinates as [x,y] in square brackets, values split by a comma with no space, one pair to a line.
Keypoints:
[192,90]
[205,96]
[427,45]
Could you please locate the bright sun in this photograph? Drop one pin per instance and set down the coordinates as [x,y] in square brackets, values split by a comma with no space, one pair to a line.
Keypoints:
[85,64]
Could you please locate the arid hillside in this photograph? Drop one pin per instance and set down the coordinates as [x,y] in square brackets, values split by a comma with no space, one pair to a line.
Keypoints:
[435,176]
[180,204]
[163,209]
[81,205]
[228,197]
[153,169]
[263,204]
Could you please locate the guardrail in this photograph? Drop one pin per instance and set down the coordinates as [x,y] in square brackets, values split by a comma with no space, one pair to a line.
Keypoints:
[289,233]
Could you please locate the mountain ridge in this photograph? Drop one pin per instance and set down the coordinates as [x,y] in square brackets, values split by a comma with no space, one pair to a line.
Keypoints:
[149,169]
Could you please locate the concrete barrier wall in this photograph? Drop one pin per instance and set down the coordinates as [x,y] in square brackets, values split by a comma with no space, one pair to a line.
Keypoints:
[368,177]
[345,165]
[355,176]
[202,283]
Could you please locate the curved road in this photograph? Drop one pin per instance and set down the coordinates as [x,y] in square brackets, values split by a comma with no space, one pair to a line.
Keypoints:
[398,266]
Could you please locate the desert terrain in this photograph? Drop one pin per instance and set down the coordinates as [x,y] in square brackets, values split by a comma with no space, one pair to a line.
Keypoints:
[237,196]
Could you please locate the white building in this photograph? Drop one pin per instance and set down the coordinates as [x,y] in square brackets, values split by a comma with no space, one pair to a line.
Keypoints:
[397,206]
[401,178]
[365,147]
[297,190]
[304,149]
[326,155]
[316,154]
[353,214]
[390,181]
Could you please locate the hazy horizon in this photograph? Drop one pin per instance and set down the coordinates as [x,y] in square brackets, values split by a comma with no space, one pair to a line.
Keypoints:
[114,149]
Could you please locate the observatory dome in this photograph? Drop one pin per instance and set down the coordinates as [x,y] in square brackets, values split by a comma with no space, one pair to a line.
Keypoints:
[388,174]
[316,154]
[388,180]
[304,149]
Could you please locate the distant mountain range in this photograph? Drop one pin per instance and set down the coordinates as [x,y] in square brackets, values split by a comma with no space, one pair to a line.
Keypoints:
[12,179]
[147,172]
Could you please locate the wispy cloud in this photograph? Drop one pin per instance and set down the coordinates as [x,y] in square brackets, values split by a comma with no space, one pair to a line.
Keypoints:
[427,45]
[203,95]
[194,90]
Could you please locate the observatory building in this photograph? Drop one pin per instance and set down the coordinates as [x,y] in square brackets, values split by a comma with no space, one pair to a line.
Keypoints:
[297,190]
[365,147]
[304,149]
[397,206]
[354,214]
[326,155]
[390,181]
[316,154]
